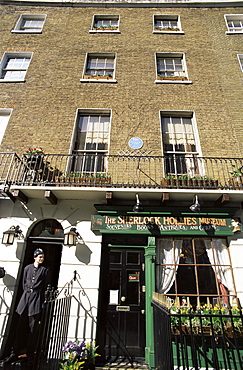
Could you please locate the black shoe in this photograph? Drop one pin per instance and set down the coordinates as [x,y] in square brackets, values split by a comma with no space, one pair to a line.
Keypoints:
[11,358]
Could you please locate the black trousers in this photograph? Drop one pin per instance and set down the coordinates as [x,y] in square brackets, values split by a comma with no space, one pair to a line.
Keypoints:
[26,334]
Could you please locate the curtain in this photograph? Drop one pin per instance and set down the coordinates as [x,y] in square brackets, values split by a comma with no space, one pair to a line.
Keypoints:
[166,254]
[219,259]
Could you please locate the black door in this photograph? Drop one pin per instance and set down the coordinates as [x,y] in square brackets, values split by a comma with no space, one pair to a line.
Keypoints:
[125,306]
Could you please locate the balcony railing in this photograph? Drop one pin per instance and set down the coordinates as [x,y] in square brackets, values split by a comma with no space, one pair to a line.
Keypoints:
[138,171]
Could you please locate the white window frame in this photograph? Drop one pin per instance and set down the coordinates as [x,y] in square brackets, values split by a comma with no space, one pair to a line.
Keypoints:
[97,78]
[23,17]
[184,114]
[165,17]
[11,55]
[232,17]
[104,17]
[180,77]
[4,112]
[240,58]
[86,112]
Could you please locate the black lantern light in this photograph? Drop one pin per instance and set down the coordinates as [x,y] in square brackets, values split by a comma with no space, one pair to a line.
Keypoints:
[70,238]
[196,207]
[10,234]
[138,206]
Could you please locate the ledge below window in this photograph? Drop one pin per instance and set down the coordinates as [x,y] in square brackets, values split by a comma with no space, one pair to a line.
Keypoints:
[169,32]
[98,80]
[173,82]
[22,31]
[2,80]
[104,31]
[233,32]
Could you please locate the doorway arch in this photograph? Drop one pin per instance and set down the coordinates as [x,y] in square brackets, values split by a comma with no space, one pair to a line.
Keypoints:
[48,235]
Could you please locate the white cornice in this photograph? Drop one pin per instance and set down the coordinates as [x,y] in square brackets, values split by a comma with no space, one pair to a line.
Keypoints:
[128,3]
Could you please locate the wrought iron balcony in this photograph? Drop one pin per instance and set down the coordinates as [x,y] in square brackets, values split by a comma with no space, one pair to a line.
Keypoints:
[138,171]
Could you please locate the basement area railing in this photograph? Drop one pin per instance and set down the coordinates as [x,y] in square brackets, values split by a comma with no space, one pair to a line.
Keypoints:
[187,338]
[137,171]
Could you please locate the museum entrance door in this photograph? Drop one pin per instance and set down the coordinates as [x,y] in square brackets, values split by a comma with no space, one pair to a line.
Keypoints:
[123,296]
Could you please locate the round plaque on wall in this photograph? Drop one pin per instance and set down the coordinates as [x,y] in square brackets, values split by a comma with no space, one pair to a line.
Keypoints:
[135,143]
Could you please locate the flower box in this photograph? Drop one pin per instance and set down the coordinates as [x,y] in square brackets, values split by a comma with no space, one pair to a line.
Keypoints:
[175,182]
[82,181]
[95,77]
[173,78]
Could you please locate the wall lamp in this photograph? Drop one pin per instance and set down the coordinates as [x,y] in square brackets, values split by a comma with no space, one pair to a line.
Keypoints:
[138,206]
[10,234]
[70,238]
[196,207]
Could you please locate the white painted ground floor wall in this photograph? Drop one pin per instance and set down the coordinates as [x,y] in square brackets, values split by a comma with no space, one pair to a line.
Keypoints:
[84,259]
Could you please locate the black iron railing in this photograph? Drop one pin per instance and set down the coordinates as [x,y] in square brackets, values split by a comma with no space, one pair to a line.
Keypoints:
[197,340]
[54,326]
[97,170]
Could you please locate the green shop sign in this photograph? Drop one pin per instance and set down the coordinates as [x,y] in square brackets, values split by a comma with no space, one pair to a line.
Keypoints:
[160,225]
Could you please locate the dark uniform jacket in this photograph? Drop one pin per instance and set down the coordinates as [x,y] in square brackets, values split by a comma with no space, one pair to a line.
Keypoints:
[35,281]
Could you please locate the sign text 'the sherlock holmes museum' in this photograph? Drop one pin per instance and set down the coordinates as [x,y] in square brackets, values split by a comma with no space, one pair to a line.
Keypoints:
[162,225]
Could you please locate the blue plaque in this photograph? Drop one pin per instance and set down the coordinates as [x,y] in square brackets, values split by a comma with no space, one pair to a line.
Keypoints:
[135,143]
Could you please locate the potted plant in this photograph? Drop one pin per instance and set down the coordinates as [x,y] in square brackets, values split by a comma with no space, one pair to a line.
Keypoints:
[79,355]
[34,157]
[236,176]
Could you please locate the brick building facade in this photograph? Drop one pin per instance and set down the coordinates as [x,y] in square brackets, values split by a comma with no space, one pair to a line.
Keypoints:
[142,68]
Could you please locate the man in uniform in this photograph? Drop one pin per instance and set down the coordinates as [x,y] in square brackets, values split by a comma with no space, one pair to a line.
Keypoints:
[35,281]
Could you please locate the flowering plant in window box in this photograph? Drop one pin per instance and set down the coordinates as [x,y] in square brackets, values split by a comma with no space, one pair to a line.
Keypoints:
[83,179]
[38,151]
[107,76]
[105,28]
[166,28]
[172,78]
[207,319]
[187,181]
[34,158]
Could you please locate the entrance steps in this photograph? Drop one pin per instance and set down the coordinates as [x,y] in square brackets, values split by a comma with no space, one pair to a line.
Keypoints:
[124,366]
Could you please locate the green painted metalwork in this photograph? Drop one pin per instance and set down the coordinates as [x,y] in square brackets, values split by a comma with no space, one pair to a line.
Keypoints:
[150,255]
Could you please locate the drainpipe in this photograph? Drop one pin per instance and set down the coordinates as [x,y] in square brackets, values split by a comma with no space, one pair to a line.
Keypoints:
[150,255]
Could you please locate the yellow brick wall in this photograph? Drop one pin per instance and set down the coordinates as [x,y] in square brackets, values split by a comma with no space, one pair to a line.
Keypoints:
[44,107]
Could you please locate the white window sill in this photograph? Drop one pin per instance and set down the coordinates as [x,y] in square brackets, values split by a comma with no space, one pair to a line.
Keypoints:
[233,32]
[6,80]
[104,31]
[22,31]
[98,80]
[172,82]
[174,32]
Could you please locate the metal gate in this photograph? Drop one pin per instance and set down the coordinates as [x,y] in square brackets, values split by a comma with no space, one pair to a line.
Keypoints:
[53,331]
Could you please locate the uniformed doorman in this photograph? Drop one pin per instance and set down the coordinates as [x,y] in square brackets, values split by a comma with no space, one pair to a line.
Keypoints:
[35,281]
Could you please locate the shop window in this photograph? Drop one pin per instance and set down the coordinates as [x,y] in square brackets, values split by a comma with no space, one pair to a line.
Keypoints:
[198,269]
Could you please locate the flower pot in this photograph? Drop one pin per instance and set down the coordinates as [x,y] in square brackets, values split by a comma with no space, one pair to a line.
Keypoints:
[34,162]
[236,181]
[207,329]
